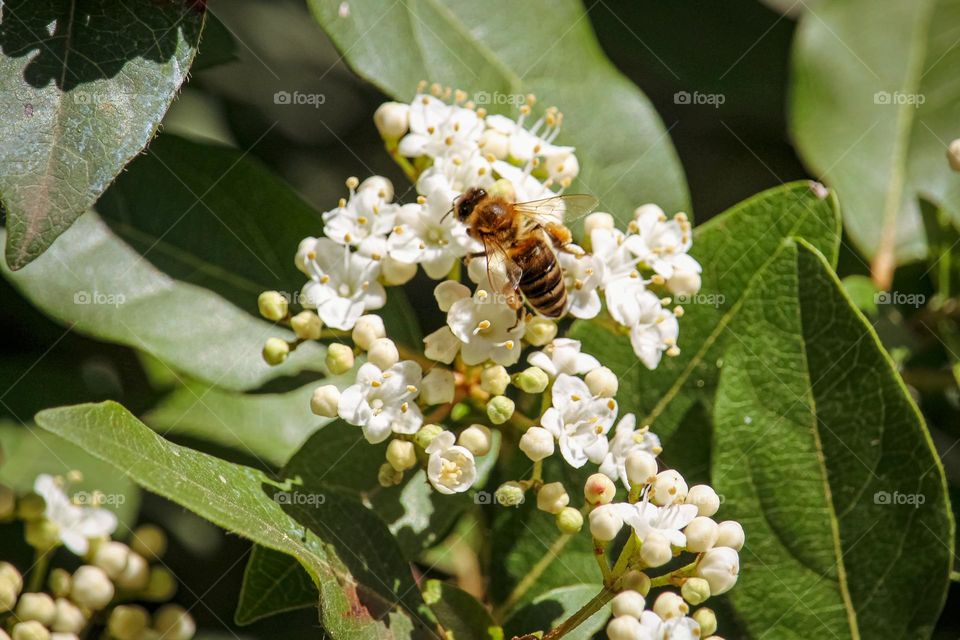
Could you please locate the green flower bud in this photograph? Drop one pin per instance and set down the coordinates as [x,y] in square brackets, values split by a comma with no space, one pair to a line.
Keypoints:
[636,581]
[275,351]
[426,435]
[174,623]
[136,575]
[36,606]
[272,305]
[500,409]
[401,454]
[161,585]
[150,541]
[306,325]
[9,573]
[339,358]
[69,618]
[569,520]
[707,620]
[8,502]
[31,507]
[42,534]
[388,476]
[540,331]
[531,380]
[59,582]
[494,380]
[8,596]
[30,630]
[695,590]
[127,621]
[509,494]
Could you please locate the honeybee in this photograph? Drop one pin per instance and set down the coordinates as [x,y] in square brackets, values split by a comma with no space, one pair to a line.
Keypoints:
[523,238]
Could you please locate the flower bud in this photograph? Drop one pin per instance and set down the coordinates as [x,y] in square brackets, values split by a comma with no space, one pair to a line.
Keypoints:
[42,534]
[953,154]
[602,382]
[383,353]
[402,454]
[368,328]
[599,489]
[325,400]
[569,521]
[8,502]
[628,603]
[438,386]
[388,476]
[720,567]
[392,120]
[30,630]
[275,351]
[127,621]
[701,534]
[272,305]
[684,282]
[531,380]
[500,409]
[552,497]
[669,488]
[649,209]
[339,358]
[605,523]
[36,606]
[136,575]
[31,507]
[59,582]
[150,541]
[597,220]
[91,588]
[669,605]
[426,434]
[161,586]
[306,325]
[476,439]
[624,628]
[656,550]
[442,345]
[111,557]
[540,331]
[705,498]
[448,292]
[379,184]
[494,380]
[707,620]
[174,623]
[641,467]
[495,143]
[509,494]
[636,581]
[537,443]
[68,617]
[730,534]
[10,574]
[695,590]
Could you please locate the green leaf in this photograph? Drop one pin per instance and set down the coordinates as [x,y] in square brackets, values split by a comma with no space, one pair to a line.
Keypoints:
[366,589]
[83,87]
[499,51]
[273,582]
[823,457]
[874,107]
[28,451]
[733,247]
[459,613]
[102,288]
[553,607]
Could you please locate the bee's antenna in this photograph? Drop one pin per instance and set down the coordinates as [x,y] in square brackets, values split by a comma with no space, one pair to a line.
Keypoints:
[449,211]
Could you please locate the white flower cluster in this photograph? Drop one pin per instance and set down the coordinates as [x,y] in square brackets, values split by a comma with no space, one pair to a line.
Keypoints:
[666,619]
[88,597]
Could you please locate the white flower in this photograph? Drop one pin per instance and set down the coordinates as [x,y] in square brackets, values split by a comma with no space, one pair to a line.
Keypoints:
[343,284]
[76,524]
[563,356]
[451,468]
[627,439]
[583,275]
[430,235]
[526,188]
[441,345]
[720,567]
[579,421]
[366,214]
[382,402]
[488,329]
[616,251]
[440,129]
[682,628]
[457,173]
[647,518]
[654,331]
[663,240]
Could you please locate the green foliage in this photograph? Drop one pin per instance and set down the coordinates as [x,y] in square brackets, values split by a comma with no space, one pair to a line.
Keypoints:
[82,89]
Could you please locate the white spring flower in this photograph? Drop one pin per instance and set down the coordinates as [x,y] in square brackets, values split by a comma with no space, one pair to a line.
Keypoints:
[383,402]
[664,241]
[430,235]
[365,214]
[487,328]
[76,524]
[646,518]
[579,421]
[526,187]
[451,467]
[681,628]
[342,284]
[440,129]
[457,173]
[583,274]
[654,331]
[626,439]
[523,144]
[561,356]
[720,567]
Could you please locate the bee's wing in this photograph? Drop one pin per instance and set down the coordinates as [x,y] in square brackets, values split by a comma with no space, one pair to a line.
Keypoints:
[564,209]
[502,272]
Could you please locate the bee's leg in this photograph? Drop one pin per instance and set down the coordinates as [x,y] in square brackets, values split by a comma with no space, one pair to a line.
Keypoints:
[520,316]
[561,238]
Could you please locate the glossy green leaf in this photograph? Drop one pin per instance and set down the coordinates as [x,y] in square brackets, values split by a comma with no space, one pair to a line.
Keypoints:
[366,588]
[83,87]
[733,248]
[499,51]
[874,106]
[821,454]
[459,613]
[549,609]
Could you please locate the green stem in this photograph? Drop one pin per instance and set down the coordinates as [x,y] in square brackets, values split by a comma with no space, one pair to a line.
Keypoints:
[393,148]
[571,623]
[601,558]
[629,549]
[668,578]
[39,570]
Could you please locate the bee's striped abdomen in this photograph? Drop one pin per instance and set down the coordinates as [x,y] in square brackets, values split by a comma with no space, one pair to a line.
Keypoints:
[542,279]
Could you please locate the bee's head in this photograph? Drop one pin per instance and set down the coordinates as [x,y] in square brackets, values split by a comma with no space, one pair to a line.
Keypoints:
[465,204]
